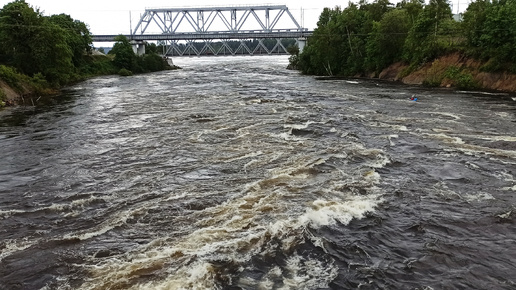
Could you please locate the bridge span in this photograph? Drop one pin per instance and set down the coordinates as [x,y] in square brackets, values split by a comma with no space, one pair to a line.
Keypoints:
[217,30]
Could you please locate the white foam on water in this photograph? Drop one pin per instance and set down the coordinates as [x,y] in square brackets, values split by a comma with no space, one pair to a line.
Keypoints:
[326,213]
[250,155]
[442,130]
[396,127]
[79,203]
[234,226]
[299,126]
[302,273]
[9,246]
[56,207]
[390,137]
[287,137]
[277,207]
[250,163]
[503,115]
[510,188]
[456,117]
[377,157]
[118,219]
[200,276]
[505,176]
[174,196]
[500,138]
[445,138]
[482,93]
[442,190]
[478,197]
[459,144]
[489,137]
[7,213]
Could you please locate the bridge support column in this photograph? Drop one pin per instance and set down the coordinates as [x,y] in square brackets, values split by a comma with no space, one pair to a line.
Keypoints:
[301,43]
[138,47]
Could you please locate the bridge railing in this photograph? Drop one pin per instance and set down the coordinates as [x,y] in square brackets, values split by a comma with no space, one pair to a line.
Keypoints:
[209,35]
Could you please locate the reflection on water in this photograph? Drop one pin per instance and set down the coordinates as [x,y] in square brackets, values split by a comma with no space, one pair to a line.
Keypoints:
[235,173]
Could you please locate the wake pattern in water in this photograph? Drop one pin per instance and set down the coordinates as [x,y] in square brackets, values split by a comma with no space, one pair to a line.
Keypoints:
[254,177]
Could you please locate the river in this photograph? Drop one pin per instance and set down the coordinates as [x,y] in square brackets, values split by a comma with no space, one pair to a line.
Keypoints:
[235,173]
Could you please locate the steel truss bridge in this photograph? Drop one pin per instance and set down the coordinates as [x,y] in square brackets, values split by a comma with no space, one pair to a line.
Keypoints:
[217,30]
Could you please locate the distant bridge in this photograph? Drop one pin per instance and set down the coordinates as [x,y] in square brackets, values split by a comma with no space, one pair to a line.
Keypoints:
[216,30]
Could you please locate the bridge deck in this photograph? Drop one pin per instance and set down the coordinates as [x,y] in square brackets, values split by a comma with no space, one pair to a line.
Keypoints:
[206,36]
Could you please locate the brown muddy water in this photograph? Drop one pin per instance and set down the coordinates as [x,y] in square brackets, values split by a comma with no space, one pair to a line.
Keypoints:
[235,173]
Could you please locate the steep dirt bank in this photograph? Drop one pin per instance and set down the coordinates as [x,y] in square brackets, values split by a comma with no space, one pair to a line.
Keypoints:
[9,96]
[25,94]
[450,71]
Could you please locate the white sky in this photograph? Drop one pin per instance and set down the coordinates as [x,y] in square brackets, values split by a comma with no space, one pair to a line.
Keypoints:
[113,16]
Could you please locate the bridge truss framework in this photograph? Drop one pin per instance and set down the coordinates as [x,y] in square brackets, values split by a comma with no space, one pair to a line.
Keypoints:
[209,47]
[218,30]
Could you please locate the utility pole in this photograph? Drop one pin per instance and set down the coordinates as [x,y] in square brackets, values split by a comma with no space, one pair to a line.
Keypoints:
[130,24]
[302,18]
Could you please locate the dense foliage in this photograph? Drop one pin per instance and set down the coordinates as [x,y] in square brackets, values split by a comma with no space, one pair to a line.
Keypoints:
[52,51]
[33,44]
[368,37]
[128,62]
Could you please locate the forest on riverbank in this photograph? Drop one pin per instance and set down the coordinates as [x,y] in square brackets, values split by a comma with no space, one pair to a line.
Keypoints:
[365,39]
[39,54]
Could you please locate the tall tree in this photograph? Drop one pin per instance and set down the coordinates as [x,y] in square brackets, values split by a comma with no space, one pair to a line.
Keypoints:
[490,29]
[51,54]
[124,54]
[422,41]
[387,39]
[19,25]
[78,36]
[33,44]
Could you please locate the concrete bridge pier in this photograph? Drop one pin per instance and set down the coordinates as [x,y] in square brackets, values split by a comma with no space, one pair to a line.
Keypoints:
[301,43]
[138,47]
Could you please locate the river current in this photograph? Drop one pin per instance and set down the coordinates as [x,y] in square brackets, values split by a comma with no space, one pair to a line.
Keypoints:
[235,173]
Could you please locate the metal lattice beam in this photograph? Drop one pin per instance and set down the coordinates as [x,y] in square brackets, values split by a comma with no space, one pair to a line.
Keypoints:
[223,47]
[201,20]
[180,29]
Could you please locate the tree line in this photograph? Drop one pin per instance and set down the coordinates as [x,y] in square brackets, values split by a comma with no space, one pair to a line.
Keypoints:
[52,51]
[367,37]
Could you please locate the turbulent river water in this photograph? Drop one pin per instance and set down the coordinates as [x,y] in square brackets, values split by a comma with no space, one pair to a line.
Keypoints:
[235,173]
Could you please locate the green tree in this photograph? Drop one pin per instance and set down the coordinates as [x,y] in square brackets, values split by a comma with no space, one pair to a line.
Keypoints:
[376,9]
[323,53]
[474,20]
[413,8]
[387,40]
[78,36]
[491,31]
[19,24]
[51,54]
[124,54]
[32,44]
[422,41]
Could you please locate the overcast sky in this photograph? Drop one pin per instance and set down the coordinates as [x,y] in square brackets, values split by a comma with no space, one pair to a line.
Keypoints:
[113,16]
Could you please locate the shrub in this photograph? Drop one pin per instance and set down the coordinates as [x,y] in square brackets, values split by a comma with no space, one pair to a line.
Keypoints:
[461,78]
[3,97]
[153,62]
[10,76]
[40,85]
[125,72]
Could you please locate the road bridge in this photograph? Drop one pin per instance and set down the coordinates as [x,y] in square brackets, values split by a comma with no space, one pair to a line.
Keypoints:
[217,30]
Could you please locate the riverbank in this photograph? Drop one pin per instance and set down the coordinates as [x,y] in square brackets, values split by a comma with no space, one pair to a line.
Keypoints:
[452,70]
[23,90]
